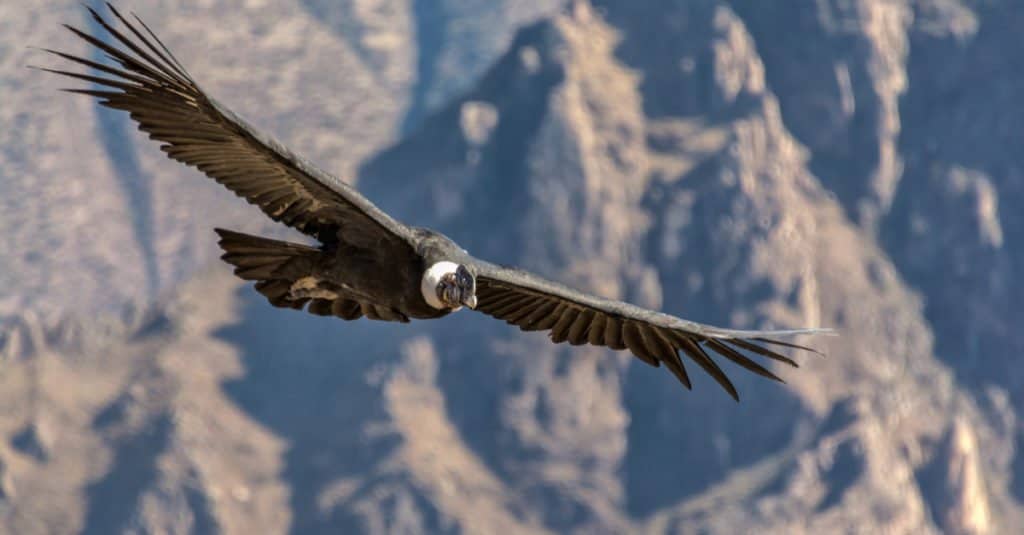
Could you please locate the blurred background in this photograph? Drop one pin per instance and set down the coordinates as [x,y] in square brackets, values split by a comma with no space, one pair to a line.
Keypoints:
[845,163]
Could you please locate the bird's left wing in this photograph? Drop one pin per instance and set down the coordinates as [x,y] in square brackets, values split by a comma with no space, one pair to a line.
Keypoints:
[535,304]
[193,128]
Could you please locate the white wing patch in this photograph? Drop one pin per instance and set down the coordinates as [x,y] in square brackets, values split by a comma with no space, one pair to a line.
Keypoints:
[308,287]
[433,275]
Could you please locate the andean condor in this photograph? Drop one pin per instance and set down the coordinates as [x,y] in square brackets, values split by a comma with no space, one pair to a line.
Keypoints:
[367,263]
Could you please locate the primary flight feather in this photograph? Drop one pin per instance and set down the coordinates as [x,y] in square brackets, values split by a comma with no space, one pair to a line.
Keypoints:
[367,263]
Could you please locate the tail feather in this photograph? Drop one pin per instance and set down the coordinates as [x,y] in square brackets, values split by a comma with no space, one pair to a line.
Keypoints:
[279,269]
[273,264]
[263,259]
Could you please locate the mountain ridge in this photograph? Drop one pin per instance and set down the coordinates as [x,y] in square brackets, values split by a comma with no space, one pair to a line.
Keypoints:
[672,155]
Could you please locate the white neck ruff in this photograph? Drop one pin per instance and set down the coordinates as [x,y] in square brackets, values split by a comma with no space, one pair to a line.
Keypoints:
[431,278]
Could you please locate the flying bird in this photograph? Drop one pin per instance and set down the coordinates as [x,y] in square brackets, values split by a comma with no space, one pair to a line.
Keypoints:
[367,264]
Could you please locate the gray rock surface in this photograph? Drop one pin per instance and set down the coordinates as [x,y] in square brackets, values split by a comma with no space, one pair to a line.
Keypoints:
[745,163]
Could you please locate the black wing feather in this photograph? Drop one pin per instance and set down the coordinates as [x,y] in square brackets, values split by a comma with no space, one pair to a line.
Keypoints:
[159,94]
[653,337]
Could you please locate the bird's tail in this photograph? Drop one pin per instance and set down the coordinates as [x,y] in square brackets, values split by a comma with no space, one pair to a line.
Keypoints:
[275,265]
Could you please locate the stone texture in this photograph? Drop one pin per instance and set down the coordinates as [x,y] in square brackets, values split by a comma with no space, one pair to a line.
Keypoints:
[745,163]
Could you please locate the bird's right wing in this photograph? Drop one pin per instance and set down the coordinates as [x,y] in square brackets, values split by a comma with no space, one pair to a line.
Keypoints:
[535,304]
[153,87]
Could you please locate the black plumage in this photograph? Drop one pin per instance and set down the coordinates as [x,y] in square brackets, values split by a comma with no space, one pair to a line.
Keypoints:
[367,263]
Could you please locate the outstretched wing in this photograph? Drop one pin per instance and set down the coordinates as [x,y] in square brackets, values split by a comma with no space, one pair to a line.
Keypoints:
[535,304]
[196,130]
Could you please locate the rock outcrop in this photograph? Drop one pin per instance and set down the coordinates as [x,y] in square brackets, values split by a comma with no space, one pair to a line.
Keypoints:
[737,162]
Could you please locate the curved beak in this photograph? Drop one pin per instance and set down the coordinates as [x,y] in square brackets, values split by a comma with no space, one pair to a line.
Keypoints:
[471,302]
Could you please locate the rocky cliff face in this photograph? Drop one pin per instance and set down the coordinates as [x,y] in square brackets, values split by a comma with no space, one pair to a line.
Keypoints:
[734,162]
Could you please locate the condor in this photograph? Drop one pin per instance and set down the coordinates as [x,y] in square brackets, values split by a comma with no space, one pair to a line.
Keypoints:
[367,264]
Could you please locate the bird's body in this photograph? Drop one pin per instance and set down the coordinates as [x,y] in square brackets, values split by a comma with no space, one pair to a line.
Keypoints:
[367,264]
[344,279]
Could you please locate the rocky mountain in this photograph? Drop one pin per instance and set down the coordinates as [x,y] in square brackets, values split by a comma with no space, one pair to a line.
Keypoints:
[737,162]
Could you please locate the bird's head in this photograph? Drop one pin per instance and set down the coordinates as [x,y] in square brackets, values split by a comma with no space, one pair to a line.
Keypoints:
[447,285]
